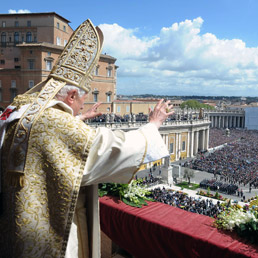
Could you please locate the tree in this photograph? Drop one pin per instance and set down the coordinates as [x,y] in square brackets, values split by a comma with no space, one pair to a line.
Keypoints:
[188,174]
[195,105]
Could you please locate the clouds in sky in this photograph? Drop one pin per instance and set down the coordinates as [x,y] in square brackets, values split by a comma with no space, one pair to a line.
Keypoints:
[19,11]
[181,61]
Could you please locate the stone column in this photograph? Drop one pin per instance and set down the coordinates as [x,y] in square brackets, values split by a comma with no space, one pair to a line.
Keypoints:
[230,122]
[179,145]
[238,122]
[219,121]
[200,139]
[196,142]
[188,145]
[192,144]
[226,121]
[176,147]
[207,134]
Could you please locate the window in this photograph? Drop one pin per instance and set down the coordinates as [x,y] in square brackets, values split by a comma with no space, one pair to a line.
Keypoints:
[16,24]
[13,93]
[118,109]
[28,36]
[35,38]
[48,65]
[64,28]
[58,25]
[13,84]
[127,109]
[3,39]
[28,23]
[183,146]
[95,97]
[31,84]
[97,71]
[108,109]
[16,59]
[108,98]
[49,53]
[16,37]
[171,147]
[58,41]
[65,42]
[2,61]
[3,24]
[109,72]
[31,64]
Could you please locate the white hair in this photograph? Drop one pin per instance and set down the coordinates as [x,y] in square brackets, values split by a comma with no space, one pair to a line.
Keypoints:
[61,94]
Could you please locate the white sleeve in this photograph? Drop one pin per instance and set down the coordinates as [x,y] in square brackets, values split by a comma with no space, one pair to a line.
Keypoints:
[156,148]
[115,156]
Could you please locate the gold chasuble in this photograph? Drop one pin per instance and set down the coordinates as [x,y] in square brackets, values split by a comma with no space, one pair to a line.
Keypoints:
[44,150]
[44,206]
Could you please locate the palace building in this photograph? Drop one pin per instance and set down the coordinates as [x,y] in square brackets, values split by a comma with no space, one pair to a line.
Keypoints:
[30,44]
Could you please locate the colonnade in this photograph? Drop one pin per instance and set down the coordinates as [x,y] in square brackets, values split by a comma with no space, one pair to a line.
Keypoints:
[227,120]
[187,141]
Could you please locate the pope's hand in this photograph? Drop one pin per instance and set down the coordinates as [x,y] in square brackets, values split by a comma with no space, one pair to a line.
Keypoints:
[91,113]
[161,112]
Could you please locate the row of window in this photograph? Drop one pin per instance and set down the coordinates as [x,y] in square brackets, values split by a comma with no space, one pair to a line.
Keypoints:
[58,26]
[31,64]
[96,95]
[109,71]
[17,38]
[13,84]
[171,147]
[16,59]
[16,24]
[58,41]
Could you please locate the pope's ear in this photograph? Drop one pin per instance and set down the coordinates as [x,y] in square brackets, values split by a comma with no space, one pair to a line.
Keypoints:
[71,96]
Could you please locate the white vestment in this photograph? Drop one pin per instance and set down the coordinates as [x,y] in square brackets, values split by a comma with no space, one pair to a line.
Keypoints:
[114,156]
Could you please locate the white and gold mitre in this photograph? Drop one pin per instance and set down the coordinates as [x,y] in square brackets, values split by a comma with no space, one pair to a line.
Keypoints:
[79,57]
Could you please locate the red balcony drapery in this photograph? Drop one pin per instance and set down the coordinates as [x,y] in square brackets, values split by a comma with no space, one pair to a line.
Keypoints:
[159,230]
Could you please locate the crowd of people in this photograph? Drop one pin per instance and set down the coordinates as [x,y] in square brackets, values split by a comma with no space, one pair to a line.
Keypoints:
[236,164]
[186,202]
[215,185]
[219,137]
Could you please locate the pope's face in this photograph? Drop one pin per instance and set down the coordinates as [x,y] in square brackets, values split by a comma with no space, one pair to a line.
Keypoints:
[78,103]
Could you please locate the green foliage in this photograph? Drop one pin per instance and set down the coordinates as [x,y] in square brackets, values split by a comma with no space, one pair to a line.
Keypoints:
[194,104]
[186,185]
[216,195]
[208,190]
[188,174]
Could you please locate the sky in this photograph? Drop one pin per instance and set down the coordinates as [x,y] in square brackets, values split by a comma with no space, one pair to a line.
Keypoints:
[170,47]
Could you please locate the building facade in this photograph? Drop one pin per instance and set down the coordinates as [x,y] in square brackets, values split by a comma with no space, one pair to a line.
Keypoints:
[30,44]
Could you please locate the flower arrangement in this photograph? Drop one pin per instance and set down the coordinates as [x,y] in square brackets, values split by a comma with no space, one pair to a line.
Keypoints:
[210,195]
[244,220]
[132,194]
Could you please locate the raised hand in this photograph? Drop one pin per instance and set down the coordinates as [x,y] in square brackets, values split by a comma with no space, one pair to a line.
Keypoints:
[91,113]
[161,112]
